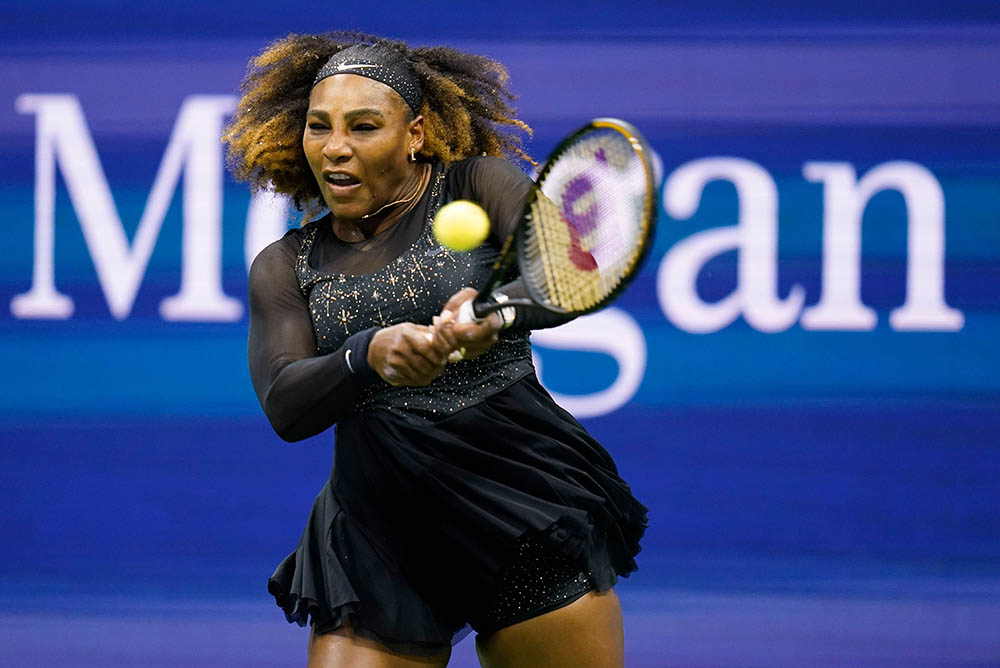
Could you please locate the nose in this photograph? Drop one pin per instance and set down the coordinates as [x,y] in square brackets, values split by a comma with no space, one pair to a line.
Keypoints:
[337,149]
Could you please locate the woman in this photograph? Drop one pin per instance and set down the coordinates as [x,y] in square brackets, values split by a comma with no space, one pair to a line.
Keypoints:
[461,494]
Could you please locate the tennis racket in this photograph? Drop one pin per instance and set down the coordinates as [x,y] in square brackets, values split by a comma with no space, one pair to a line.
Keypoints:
[585,229]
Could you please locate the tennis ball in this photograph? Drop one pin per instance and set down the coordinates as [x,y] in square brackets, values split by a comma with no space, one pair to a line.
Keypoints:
[461,225]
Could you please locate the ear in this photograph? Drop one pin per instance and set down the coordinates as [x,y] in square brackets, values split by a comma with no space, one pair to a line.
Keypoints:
[415,132]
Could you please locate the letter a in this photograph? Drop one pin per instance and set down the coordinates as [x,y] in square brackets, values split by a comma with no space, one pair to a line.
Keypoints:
[755,236]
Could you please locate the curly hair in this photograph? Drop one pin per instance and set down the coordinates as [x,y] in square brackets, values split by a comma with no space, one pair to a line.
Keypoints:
[466,106]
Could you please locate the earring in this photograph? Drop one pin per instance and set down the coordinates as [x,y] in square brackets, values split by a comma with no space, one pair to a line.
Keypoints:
[413,156]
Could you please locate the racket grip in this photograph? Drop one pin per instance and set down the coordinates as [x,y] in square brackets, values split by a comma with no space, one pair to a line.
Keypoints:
[467,314]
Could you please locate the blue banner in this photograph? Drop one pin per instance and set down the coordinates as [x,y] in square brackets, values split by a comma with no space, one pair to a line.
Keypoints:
[803,384]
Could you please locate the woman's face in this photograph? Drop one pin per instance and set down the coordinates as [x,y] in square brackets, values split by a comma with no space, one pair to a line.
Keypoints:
[357,140]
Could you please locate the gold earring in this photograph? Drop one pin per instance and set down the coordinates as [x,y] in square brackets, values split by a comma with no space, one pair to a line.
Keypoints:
[413,156]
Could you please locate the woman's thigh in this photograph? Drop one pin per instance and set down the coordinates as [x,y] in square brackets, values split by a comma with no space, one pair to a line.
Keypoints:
[584,634]
[345,649]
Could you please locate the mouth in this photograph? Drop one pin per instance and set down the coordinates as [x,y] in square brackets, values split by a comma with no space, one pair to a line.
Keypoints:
[341,181]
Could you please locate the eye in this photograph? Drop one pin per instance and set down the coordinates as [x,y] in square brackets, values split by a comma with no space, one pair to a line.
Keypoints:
[365,127]
[314,125]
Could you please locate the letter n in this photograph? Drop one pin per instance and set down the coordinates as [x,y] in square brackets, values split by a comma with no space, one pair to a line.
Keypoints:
[755,237]
[844,200]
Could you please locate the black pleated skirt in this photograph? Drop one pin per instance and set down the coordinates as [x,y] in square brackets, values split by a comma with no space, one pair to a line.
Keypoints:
[410,534]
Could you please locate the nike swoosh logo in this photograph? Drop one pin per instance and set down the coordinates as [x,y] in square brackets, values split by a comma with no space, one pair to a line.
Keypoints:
[345,66]
[434,251]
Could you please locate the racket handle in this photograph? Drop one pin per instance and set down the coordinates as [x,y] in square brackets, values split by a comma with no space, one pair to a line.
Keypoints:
[467,314]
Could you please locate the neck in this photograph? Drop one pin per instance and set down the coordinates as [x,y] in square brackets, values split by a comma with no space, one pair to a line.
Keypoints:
[381,219]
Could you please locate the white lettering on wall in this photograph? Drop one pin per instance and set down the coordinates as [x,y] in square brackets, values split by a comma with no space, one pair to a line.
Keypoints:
[613,332]
[754,237]
[63,139]
[844,202]
[63,142]
[267,220]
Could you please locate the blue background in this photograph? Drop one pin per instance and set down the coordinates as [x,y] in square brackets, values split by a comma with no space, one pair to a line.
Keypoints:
[817,497]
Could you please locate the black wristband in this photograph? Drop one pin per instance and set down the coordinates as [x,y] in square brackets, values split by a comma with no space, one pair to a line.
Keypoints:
[355,352]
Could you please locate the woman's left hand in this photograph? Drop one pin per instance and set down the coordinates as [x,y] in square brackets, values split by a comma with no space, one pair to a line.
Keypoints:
[473,338]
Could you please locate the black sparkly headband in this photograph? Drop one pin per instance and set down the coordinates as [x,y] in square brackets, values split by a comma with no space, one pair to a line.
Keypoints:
[379,63]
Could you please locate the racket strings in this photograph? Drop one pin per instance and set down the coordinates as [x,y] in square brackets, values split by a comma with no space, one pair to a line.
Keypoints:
[588,222]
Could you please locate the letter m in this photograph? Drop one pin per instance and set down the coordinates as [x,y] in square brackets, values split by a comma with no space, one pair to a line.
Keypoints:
[63,139]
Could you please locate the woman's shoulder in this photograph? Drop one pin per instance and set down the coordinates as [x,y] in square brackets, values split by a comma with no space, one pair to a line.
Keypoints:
[483,178]
[285,250]
[485,166]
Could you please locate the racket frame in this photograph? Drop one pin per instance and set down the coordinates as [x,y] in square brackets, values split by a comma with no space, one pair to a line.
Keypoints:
[514,246]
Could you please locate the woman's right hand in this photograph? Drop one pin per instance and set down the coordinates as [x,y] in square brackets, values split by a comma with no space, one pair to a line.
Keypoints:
[407,354]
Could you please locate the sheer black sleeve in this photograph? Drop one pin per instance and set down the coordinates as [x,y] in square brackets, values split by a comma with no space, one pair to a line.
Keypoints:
[503,189]
[302,393]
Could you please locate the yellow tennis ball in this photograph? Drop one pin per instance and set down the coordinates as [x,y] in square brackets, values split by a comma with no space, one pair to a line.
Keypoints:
[461,225]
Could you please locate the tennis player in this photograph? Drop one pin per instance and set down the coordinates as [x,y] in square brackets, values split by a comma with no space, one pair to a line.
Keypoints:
[461,495]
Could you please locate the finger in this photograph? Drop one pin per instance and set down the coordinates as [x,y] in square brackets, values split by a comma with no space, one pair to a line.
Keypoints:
[421,365]
[431,349]
[433,337]
[444,320]
[446,333]
[473,332]
[412,378]
[443,338]
[419,339]
[410,368]
[473,351]
[391,375]
[421,355]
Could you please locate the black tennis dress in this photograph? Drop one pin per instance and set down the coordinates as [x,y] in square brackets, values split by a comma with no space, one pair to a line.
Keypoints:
[438,494]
